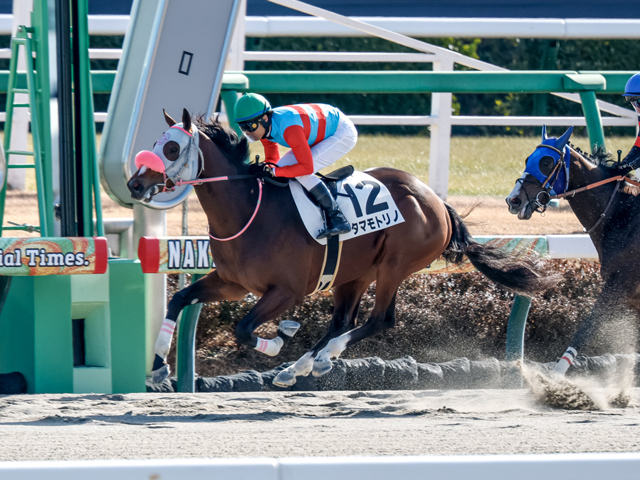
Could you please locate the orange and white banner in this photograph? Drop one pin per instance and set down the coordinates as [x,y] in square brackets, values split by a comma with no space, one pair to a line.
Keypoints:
[517,246]
[53,256]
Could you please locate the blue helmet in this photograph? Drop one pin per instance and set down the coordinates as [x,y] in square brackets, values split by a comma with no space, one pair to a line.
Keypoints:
[632,89]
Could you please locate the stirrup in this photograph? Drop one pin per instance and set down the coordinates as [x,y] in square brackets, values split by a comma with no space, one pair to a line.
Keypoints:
[330,232]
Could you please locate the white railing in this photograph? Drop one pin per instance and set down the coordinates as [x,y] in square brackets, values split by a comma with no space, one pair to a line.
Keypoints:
[300,26]
[585,466]
[400,30]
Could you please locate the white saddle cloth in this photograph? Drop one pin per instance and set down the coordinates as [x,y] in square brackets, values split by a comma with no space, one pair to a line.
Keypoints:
[369,207]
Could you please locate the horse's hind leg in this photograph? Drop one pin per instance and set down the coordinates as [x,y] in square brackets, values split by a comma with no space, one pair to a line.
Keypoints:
[208,289]
[274,302]
[346,300]
[382,317]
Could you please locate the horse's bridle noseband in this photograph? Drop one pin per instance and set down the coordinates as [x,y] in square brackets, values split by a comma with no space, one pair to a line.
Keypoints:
[544,196]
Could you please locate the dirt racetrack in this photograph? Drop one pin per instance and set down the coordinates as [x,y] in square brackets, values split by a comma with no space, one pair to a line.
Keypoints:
[286,424]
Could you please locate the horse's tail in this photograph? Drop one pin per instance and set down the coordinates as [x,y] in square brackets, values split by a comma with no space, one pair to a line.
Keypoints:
[522,275]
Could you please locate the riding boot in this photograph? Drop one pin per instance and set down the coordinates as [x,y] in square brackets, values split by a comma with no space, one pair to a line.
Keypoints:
[335,221]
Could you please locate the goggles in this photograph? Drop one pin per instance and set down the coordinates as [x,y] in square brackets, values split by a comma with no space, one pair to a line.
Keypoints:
[635,102]
[249,126]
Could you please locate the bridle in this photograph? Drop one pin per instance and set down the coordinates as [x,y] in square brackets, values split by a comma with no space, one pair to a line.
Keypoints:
[544,197]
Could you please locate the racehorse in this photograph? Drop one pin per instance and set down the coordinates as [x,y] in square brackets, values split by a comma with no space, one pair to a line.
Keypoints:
[605,203]
[259,245]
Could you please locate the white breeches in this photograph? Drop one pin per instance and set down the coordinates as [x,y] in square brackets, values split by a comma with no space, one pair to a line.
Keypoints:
[327,152]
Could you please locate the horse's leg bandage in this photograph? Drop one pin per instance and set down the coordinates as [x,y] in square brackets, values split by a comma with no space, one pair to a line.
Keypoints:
[269,347]
[566,361]
[163,344]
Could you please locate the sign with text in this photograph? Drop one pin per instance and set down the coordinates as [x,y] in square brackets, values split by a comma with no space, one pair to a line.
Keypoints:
[53,256]
[175,255]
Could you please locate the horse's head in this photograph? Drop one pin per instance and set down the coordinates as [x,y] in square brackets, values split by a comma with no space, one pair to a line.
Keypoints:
[546,173]
[175,156]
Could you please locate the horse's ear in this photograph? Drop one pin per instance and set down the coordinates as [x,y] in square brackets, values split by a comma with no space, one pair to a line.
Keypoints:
[170,121]
[544,132]
[186,120]
[564,139]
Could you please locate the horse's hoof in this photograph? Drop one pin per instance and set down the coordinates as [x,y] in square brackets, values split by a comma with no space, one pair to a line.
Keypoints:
[287,329]
[284,379]
[321,368]
[161,374]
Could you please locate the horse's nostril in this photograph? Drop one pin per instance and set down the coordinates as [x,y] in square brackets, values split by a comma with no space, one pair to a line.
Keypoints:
[515,201]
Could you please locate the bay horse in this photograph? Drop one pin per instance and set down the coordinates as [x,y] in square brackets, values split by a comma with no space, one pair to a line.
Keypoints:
[275,258]
[606,204]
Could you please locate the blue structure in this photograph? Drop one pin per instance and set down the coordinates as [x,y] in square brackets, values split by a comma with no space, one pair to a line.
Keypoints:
[622,9]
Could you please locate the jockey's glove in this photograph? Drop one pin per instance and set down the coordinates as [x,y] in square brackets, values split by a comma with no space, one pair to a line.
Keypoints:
[631,161]
[261,170]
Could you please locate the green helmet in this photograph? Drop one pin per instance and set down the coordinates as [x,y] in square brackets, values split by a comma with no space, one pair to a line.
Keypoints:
[250,106]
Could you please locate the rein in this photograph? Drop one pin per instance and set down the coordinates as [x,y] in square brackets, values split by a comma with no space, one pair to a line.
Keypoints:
[617,178]
[200,181]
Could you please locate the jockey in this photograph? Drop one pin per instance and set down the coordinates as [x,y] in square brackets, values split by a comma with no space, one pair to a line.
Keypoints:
[632,94]
[317,135]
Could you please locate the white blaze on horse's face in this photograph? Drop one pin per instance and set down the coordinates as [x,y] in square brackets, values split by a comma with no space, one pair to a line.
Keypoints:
[518,202]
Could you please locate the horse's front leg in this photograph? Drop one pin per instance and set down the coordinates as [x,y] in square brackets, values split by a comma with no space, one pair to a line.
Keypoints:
[208,289]
[346,299]
[274,302]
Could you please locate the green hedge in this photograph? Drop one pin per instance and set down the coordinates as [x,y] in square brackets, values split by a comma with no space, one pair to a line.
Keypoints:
[439,318]
[514,54]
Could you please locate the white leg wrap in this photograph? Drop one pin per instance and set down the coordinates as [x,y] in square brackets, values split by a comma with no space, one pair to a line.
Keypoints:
[566,361]
[270,347]
[163,344]
[334,348]
[303,366]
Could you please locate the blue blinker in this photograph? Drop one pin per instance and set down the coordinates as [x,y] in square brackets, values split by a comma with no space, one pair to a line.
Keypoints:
[537,160]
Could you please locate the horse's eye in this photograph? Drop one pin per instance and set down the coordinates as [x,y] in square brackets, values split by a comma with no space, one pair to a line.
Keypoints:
[546,165]
[171,151]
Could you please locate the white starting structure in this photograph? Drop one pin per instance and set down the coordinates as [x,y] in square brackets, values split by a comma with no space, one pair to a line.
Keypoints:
[173,57]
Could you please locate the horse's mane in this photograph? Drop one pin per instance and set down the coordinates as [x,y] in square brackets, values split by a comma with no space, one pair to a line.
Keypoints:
[605,162]
[236,149]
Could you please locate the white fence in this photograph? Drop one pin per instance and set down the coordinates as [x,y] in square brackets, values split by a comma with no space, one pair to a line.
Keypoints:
[398,30]
[591,466]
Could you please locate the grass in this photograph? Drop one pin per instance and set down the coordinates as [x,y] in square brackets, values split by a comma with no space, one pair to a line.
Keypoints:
[486,166]
[478,165]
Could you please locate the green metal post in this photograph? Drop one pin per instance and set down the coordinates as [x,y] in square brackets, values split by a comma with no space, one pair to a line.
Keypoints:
[547,62]
[40,45]
[515,338]
[90,173]
[229,97]
[186,345]
[15,48]
[594,121]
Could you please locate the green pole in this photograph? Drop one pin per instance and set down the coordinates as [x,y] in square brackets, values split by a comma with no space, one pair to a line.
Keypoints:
[515,338]
[594,121]
[547,62]
[90,172]
[186,345]
[229,97]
